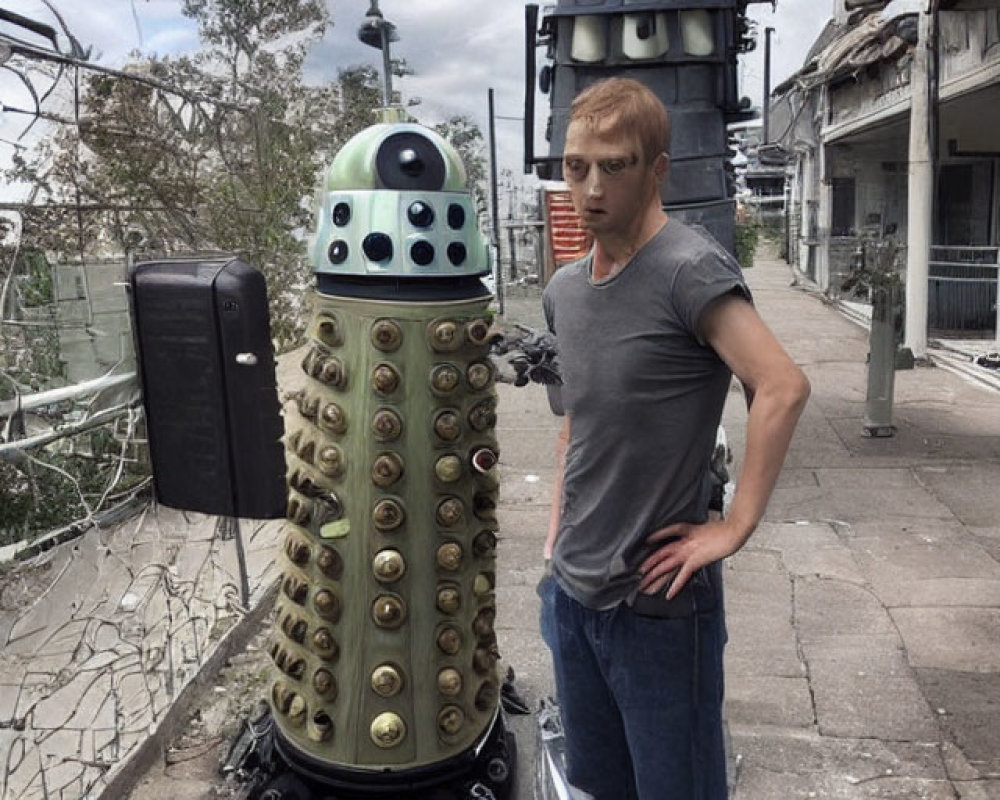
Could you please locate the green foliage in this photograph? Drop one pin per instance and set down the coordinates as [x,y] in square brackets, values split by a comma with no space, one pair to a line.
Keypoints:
[467,138]
[874,269]
[35,498]
[746,234]
[35,283]
[183,174]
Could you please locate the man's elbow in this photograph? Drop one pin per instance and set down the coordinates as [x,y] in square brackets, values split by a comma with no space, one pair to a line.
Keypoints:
[795,390]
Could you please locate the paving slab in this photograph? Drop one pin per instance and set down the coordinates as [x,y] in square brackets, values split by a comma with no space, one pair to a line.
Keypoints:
[956,639]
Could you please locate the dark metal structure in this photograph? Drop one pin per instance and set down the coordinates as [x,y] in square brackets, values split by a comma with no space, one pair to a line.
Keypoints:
[685,51]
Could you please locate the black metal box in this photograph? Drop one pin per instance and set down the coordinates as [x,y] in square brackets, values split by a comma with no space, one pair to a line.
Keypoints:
[206,364]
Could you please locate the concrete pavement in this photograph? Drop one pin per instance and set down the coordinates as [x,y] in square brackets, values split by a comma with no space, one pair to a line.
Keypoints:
[864,614]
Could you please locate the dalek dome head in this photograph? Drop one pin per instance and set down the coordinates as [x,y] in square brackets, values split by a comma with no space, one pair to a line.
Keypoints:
[394,202]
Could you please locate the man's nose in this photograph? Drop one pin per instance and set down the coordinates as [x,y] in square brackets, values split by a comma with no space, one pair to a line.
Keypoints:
[593,183]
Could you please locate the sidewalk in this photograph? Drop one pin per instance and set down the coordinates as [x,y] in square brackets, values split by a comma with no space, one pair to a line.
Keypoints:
[864,614]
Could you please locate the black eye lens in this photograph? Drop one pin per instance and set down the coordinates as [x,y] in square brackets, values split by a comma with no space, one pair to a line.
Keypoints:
[422,253]
[420,214]
[337,252]
[341,214]
[457,253]
[456,216]
[410,162]
[377,246]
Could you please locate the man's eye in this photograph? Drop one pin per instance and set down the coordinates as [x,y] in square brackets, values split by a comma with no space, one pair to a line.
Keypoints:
[613,166]
[575,168]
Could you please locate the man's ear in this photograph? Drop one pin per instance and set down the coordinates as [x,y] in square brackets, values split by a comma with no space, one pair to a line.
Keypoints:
[661,167]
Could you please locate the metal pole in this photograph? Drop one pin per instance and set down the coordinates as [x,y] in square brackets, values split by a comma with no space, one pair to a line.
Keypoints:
[765,105]
[494,201]
[386,66]
[920,193]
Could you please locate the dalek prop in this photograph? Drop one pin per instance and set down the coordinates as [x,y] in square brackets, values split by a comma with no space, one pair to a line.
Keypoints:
[385,679]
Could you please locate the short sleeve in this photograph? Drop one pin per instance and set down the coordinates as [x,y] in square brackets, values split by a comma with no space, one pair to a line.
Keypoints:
[703,279]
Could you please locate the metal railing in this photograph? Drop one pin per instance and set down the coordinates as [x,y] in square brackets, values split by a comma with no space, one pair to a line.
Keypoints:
[962,290]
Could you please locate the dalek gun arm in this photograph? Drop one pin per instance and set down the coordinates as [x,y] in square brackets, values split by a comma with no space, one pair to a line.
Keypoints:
[522,355]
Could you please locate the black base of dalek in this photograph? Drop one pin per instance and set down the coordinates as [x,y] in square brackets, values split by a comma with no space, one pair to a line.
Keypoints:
[275,770]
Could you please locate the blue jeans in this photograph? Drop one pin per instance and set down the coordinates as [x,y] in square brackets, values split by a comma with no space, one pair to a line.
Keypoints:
[640,697]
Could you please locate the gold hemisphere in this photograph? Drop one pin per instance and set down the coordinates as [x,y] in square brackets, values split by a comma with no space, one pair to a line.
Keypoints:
[327,605]
[484,659]
[482,625]
[450,512]
[388,566]
[385,379]
[330,461]
[445,336]
[450,720]
[330,563]
[295,589]
[483,416]
[445,378]
[387,425]
[387,470]
[308,405]
[449,640]
[449,556]
[387,336]
[328,330]
[324,645]
[487,696]
[449,599]
[297,548]
[478,375]
[332,418]
[388,514]
[449,681]
[483,583]
[484,543]
[324,683]
[388,730]
[448,426]
[477,331]
[299,510]
[386,681]
[388,611]
[320,727]
[281,696]
[297,710]
[448,469]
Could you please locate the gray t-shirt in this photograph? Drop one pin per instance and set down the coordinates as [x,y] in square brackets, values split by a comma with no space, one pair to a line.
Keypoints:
[644,397]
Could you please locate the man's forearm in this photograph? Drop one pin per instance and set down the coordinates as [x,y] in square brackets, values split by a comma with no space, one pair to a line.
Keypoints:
[771,421]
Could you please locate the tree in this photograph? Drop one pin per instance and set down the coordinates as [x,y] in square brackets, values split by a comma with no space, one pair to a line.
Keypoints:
[467,138]
[225,159]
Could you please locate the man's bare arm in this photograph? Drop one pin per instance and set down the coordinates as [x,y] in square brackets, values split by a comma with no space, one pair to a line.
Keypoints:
[779,391]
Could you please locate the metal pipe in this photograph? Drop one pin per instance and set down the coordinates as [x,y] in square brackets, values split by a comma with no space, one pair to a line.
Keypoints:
[530,29]
[766,103]
[495,203]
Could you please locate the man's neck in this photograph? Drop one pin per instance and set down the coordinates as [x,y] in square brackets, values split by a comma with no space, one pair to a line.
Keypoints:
[613,251]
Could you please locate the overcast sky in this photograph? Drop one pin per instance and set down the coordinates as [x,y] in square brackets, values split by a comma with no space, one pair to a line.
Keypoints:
[457,48]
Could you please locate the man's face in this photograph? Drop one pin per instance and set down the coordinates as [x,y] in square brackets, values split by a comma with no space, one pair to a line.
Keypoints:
[611,184]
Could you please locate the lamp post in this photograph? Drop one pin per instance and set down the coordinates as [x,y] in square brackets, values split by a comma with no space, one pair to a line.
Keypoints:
[376,31]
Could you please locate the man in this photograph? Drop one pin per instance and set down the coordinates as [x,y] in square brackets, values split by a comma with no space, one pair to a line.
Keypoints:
[651,326]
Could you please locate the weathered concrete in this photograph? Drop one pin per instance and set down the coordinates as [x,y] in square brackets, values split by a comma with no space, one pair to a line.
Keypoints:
[864,614]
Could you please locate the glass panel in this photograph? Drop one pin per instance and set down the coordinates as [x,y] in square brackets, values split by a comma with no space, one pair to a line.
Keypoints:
[645,35]
[697,32]
[590,39]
